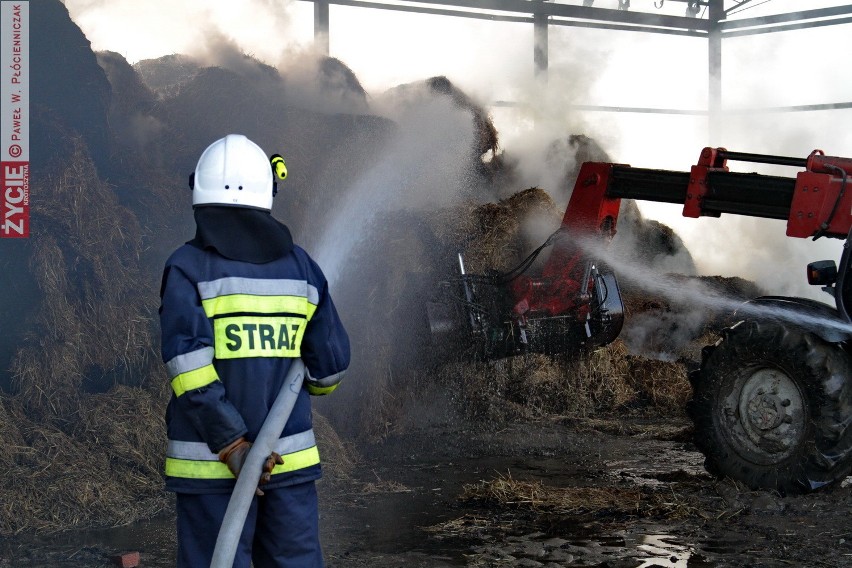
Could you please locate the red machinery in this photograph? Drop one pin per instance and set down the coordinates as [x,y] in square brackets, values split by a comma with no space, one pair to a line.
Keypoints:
[772,400]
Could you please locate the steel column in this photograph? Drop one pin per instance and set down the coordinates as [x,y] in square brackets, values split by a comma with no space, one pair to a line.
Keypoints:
[540,51]
[321,41]
[716,13]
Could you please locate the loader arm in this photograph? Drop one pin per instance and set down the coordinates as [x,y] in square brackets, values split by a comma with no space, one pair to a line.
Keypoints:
[815,203]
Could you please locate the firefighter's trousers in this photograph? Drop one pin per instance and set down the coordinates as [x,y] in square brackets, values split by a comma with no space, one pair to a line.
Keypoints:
[281,530]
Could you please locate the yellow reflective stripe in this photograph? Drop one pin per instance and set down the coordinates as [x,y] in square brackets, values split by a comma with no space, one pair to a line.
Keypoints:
[298,460]
[193,469]
[242,303]
[319,391]
[258,336]
[195,379]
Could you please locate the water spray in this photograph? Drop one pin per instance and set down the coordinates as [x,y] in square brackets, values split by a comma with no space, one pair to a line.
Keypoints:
[423,165]
[699,294]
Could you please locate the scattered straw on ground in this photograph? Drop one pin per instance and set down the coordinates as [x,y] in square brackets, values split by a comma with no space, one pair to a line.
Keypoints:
[383,486]
[620,427]
[534,496]
[469,526]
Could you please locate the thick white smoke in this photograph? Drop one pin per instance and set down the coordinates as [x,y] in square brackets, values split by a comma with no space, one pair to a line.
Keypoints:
[424,165]
[147,30]
[604,67]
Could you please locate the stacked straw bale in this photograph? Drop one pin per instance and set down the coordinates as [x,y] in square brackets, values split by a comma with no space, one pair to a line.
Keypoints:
[84,415]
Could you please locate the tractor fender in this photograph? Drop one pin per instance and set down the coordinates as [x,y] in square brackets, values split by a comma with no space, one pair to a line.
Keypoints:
[821,319]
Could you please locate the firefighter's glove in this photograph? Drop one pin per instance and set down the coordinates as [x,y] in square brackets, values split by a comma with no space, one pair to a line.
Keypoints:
[270,463]
[234,455]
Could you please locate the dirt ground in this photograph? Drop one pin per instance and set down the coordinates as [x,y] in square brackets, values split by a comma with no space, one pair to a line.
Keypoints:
[427,499]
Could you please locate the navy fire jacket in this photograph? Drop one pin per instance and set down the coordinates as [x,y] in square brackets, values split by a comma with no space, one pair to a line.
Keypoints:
[230,331]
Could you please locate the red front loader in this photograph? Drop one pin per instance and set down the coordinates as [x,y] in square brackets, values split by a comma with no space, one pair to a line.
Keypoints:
[772,399]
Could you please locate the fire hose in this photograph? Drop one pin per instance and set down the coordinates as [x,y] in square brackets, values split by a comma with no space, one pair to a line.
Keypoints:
[264,444]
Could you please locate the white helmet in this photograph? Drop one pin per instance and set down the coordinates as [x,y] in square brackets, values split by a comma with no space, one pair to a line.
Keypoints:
[235,172]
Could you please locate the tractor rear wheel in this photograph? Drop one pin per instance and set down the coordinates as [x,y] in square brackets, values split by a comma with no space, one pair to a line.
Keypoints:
[772,407]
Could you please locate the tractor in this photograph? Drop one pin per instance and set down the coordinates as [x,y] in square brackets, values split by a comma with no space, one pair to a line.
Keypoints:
[772,398]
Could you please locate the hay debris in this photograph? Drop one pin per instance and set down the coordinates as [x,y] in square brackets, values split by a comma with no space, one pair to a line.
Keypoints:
[83,414]
[384,486]
[102,471]
[503,235]
[667,432]
[663,384]
[338,458]
[536,386]
[533,496]
[468,526]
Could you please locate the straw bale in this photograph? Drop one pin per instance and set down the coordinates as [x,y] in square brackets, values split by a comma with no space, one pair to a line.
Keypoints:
[67,83]
[129,93]
[664,384]
[565,155]
[649,243]
[731,288]
[485,129]
[663,326]
[101,472]
[93,323]
[499,239]
[339,84]
[84,416]
[410,95]
[453,227]
[128,423]
[12,436]
[168,72]
[536,386]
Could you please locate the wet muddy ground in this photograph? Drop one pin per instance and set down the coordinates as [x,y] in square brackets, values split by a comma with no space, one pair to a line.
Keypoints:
[403,507]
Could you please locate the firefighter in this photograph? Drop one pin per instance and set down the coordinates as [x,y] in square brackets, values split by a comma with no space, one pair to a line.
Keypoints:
[239,303]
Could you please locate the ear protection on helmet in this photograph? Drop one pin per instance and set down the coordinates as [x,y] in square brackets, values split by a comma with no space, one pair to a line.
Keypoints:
[279,169]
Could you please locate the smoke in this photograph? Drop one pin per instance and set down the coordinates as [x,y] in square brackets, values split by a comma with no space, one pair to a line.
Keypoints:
[545,160]
[321,83]
[142,131]
[760,250]
[147,30]
[494,59]
[424,165]
[220,50]
[664,335]
[698,298]
[536,131]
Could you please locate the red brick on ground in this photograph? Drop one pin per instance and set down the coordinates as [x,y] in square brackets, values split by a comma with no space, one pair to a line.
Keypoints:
[127,560]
